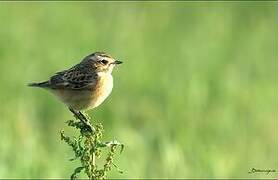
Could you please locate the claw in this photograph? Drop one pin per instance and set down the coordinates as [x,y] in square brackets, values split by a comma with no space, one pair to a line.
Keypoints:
[82,118]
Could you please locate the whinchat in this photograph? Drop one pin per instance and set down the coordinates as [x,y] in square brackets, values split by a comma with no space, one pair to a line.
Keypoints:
[85,85]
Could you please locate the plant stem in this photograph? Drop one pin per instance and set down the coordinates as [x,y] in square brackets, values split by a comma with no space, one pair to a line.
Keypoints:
[94,159]
[87,147]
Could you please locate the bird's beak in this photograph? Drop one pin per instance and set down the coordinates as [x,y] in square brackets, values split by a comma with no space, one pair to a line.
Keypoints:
[117,62]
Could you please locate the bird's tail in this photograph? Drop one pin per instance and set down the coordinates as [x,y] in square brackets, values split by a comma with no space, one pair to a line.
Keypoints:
[41,84]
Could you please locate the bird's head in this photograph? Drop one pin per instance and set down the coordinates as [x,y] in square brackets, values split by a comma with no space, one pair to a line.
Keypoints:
[101,62]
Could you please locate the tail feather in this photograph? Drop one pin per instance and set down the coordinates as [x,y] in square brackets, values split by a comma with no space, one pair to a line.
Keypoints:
[41,84]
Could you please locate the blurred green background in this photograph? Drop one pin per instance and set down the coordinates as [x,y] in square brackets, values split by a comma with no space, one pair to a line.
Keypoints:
[196,96]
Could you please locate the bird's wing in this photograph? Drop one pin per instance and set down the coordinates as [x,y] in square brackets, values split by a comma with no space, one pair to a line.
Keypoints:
[76,78]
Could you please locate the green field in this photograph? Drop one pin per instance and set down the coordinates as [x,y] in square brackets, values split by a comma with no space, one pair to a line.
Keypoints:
[196,97]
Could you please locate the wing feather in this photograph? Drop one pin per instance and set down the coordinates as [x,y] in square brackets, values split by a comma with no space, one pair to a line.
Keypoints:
[76,78]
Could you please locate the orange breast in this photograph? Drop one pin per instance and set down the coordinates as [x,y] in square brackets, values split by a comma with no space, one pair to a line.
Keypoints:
[86,99]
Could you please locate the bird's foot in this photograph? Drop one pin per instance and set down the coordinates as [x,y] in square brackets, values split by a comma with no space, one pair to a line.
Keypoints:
[85,120]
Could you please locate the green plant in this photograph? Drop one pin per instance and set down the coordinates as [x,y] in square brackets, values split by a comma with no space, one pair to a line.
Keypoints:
[88,147]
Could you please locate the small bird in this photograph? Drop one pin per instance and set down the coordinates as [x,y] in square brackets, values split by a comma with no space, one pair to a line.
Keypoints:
[85,85]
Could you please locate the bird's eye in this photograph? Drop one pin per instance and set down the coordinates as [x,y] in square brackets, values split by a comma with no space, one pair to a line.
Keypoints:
[104,61]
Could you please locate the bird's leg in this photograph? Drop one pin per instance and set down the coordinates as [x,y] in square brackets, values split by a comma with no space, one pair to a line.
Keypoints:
[87,118]
[83,119]
[74,112]
[84,115]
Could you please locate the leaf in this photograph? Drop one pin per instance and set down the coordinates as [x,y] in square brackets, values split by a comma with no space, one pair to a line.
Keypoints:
[76,172]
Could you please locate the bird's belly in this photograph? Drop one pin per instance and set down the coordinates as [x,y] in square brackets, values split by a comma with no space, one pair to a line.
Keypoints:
[86,99]
[101,92]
